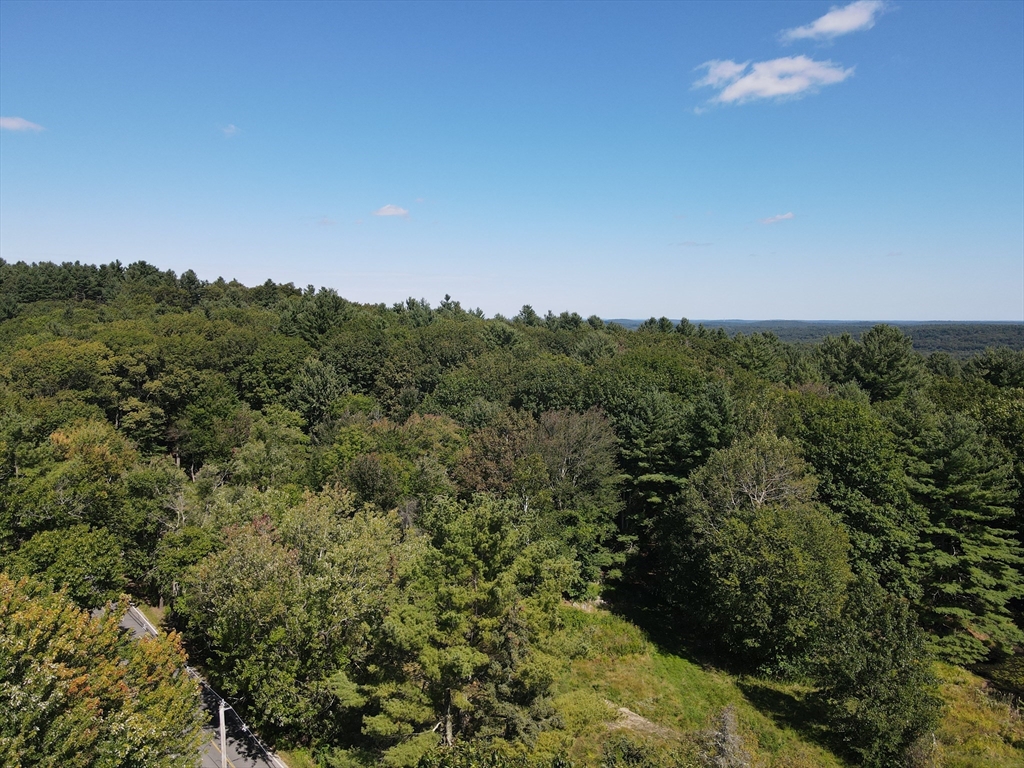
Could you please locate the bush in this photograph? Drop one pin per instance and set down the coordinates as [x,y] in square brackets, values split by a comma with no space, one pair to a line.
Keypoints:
[876,686]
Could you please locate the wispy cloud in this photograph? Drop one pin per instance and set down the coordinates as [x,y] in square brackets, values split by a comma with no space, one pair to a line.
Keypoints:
[230,131]
[19,124]
[720,73]
[778,217]
[391,210]
[855,17]
[786,77]
[693,244]
[326,221]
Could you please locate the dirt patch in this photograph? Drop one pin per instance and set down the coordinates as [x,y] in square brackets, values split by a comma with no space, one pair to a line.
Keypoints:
[587,606]
[628,720]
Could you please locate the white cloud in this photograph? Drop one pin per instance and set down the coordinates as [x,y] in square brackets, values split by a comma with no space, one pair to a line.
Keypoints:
[230,131]
[326,221]
[391,210]
[19,124]
[720,73]
[855,17]
[787,77]
[778,217]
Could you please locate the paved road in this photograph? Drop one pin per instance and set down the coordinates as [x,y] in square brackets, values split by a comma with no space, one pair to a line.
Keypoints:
[137,623]
[243,750]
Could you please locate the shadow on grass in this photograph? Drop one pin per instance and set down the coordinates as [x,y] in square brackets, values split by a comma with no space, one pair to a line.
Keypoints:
[672,633]
[792,709]
[1007,675]
[666,628]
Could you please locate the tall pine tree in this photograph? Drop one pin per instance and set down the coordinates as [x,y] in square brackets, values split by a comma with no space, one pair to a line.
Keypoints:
[969,557]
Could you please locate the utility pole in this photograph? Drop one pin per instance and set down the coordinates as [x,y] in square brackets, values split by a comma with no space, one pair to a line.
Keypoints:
[223,739]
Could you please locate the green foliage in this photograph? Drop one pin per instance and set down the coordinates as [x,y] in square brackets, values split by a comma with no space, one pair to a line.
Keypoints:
[238,608]
[969,556]
[754,556]
[275,453]
[549,382]
[175,553]
[376,478]
[1000,366]
[463,646]
[62,364]
[886,364]
[571,472]
[861,478]
[654,446]
[82,475]
[883,363]
[762,354]
[316,387]
[877,691]
[77,692]
[837,358]
[231,450]
[87,563]
[279,612]
[210,421]
[46,281]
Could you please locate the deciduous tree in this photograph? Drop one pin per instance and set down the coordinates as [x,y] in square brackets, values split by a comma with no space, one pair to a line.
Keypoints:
[78,692]
[877,691]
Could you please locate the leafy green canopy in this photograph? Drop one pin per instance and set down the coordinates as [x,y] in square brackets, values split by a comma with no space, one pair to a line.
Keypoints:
[876,688]
[78,691]
[754,556]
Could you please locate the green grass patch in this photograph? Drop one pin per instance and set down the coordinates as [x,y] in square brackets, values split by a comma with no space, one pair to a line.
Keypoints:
[980,727]
[297,758]
[675,703]
[154,614]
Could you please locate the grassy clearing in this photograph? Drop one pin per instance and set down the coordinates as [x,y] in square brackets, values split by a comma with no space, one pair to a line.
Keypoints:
[298,758]
[980,727]
[154,614]
[676,702]
[1007,675]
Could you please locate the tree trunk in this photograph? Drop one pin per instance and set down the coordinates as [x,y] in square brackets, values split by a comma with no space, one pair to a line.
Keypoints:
[449,737]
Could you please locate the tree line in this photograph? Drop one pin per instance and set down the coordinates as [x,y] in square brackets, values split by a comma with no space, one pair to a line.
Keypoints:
[365,520]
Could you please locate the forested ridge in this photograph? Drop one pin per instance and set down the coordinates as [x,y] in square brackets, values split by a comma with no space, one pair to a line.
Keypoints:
[960,339]
[413,535]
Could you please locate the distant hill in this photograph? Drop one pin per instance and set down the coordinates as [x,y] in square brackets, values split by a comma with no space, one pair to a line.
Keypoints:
[961,339]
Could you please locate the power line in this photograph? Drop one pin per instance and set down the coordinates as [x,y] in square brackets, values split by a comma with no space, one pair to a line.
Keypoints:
[224,705]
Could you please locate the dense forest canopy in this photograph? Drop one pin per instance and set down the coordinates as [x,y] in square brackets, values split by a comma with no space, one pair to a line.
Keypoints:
[370,523]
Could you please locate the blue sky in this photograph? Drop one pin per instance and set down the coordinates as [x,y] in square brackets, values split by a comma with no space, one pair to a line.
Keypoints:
[797,160]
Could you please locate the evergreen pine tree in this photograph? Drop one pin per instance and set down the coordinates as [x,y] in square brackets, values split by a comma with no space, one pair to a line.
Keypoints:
[968,554]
